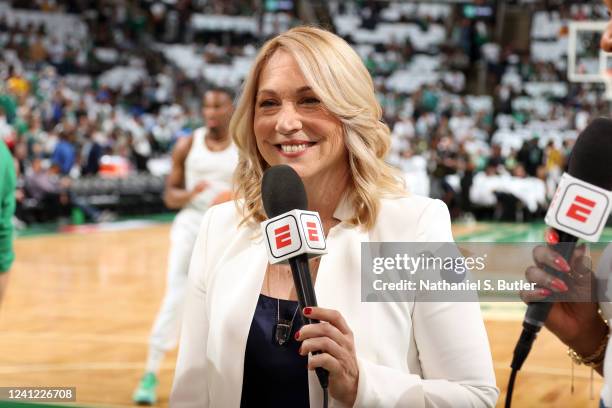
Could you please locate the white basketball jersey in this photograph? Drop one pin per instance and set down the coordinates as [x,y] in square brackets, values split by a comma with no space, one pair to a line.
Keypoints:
[216,168]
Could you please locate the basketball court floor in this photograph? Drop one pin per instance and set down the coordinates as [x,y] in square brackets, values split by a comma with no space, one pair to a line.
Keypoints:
[80,306]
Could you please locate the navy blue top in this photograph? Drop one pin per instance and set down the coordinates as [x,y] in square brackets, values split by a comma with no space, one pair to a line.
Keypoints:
[274,376]
[64,156]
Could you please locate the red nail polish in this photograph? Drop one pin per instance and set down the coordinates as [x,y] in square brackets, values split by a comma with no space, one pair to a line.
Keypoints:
[552,237]
[297,334]
[562,264]
[544,292]
[307,310]
[559,285]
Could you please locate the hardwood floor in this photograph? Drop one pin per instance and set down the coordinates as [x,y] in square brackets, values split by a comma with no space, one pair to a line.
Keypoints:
[79,309]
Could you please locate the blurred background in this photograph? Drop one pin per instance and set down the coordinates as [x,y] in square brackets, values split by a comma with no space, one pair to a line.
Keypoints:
[482,103]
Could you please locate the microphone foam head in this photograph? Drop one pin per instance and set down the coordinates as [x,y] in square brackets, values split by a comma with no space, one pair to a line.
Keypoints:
[282,190]
[591,157]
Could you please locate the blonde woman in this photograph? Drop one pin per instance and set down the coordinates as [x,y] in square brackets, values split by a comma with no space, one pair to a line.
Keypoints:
[309,102]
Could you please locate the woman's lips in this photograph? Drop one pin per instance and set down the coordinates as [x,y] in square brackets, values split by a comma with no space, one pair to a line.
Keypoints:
[294,149]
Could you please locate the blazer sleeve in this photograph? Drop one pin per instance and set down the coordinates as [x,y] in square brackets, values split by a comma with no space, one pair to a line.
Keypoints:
[190,387]
[452,345]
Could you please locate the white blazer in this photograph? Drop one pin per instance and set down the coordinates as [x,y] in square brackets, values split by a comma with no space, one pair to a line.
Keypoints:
[409,354]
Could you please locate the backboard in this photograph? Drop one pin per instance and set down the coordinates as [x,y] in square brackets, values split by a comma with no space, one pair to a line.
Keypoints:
[586,62]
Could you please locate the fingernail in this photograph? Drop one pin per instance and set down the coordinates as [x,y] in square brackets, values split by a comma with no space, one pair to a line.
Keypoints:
[544,292]
[297,334]
[307,310]
[559,285]
[562,264]
[552,237]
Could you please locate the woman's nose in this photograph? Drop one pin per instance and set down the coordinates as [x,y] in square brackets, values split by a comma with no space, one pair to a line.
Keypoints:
[288,121]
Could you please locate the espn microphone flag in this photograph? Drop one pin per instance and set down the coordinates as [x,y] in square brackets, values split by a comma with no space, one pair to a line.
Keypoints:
[294,233]
[579,208]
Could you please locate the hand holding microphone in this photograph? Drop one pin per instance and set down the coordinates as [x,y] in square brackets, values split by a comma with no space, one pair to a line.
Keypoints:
[333,338]
[294,235]
[575,322]
[579,209]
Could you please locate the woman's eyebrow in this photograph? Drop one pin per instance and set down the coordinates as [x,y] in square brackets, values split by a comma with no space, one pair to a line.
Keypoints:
[272,92]
[304,89]
[265,91]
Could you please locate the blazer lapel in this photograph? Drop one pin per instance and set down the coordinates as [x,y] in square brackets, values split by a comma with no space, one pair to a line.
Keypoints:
[237,290]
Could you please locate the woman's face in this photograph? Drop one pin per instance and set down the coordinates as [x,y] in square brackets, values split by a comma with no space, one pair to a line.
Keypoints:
[291,124]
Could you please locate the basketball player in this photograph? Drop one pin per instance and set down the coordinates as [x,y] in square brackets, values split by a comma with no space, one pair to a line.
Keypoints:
[7,208]
[202,169]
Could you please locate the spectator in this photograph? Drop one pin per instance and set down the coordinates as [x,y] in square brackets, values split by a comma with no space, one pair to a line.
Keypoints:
[64,155]
[91,154]
[53,192]
[531,156]
[17,84]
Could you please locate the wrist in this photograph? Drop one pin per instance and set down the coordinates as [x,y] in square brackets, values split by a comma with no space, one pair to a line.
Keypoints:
[590,339]
[354,393]
[350,397]
[594,360]
[582,328]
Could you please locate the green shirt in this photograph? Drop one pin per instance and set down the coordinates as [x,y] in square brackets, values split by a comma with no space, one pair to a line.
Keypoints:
[7,207]
[9,104]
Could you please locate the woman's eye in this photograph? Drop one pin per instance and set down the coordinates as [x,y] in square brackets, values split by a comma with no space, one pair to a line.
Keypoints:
[310,101]
[267,102]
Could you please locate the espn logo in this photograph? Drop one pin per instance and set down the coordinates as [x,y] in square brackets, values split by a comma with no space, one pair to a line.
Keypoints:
[579,208]
[313,233]
[293,233]
[282,236]
[314,237]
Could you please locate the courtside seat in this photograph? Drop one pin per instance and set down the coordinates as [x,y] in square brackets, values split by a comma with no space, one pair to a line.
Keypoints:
[136,194]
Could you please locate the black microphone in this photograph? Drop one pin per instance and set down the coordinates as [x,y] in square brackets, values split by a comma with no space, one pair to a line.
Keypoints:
[590,162]
[282,191]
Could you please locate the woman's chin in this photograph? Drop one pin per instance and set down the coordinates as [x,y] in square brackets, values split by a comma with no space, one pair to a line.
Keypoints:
[306,169]
[300,169]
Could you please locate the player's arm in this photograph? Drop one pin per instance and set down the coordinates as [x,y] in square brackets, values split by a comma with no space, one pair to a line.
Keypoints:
[175,194]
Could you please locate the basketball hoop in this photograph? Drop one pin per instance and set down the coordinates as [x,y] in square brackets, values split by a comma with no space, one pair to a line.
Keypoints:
[578,63]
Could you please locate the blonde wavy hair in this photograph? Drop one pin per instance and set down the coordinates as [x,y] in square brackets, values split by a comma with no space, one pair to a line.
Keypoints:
[339,78]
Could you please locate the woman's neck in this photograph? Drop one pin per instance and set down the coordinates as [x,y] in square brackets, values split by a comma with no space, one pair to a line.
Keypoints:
[324,194]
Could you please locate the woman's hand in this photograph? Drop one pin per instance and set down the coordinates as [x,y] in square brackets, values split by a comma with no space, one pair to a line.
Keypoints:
[334,339]
[573,320]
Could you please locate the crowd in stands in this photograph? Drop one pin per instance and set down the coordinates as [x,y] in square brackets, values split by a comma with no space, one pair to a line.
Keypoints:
[501,155]
[94,89]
